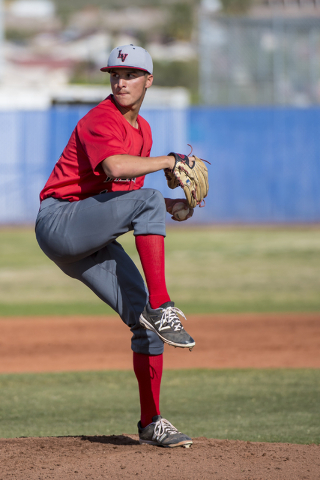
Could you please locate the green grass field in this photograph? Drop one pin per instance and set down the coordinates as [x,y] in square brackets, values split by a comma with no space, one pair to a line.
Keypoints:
[256,405]
[216,269]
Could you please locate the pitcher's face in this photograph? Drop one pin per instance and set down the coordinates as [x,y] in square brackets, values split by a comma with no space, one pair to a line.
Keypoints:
[129,86]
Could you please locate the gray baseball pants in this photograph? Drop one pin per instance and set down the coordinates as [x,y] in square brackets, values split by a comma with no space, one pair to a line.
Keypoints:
[80,237]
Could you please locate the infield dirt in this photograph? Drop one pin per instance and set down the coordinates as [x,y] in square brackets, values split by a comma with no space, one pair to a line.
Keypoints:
[233,341]
[99,343]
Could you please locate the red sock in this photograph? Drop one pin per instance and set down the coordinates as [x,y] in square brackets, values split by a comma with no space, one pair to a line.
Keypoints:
[148,370]
[151,252]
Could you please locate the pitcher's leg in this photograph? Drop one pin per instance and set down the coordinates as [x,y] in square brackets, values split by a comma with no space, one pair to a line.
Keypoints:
[152,257]
[113,277]
[148,370]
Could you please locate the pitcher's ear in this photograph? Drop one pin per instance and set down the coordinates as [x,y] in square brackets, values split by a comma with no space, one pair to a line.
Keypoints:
[149,80]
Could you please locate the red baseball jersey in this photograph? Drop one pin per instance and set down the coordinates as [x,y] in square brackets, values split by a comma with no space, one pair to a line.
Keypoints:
[101,133]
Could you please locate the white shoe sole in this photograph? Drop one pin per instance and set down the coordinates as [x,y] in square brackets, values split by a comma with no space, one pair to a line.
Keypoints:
[147,325]
[185,444]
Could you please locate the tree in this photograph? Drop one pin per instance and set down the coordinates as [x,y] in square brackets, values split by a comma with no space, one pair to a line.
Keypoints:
[236,7]
[180,22]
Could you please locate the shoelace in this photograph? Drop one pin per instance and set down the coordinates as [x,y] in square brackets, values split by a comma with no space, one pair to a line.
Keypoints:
[170,319]
[162,427]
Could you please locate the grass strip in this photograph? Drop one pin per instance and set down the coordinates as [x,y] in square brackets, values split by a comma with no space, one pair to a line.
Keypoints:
[99,308]
[210,269]
[278,405]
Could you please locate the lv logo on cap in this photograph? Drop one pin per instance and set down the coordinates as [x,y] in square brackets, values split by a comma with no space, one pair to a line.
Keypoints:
[121,55]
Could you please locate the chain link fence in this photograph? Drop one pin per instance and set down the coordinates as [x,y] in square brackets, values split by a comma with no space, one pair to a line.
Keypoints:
[259,61]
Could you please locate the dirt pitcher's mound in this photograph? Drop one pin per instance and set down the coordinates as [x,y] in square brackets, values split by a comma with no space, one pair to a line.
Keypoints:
[103,343]
[57,344]
[121,457]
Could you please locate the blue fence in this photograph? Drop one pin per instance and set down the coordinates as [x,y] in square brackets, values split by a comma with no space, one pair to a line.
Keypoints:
[265,162]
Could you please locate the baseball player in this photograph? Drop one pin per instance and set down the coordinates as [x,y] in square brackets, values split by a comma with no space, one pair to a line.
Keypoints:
[94,195]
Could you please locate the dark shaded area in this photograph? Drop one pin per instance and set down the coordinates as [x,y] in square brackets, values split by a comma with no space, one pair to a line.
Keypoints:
[110,439]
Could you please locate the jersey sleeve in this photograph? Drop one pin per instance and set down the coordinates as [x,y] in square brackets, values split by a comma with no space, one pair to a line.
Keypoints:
[101,139]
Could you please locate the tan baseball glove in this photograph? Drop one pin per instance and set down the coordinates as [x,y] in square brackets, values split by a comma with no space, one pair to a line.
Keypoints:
[192,178]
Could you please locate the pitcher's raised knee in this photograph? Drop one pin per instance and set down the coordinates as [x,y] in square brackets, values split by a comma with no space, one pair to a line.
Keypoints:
[151,215]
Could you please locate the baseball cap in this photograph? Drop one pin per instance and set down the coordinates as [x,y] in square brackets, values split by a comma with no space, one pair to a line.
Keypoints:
[129,56]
